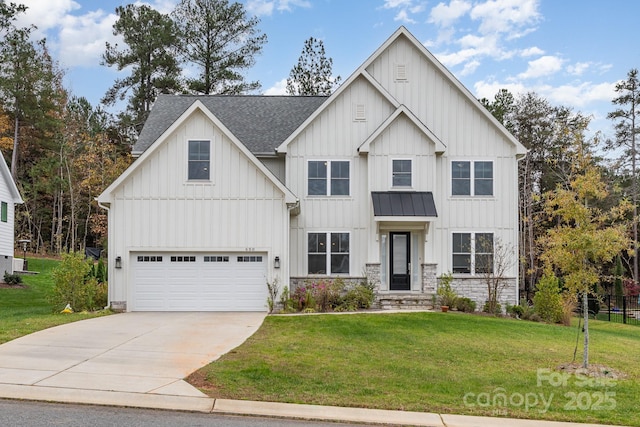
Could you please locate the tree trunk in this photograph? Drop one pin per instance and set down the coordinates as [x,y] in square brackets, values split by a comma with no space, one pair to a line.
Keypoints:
[585,311]
[14,155]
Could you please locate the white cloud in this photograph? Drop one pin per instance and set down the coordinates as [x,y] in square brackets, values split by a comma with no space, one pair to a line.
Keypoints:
[505,16]
[580,95]
[531,51]
[484,89]
[392,4]
[444,15]
[266,7]
[407,8]
[470,67]
[578,68]
[82,39]
[403,16]
[543,66]
[278,88]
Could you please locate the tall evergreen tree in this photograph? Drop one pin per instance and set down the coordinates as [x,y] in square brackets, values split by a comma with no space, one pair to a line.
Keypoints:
[30,89]
[627,125]
[150,55]
[313,74]
[219,41]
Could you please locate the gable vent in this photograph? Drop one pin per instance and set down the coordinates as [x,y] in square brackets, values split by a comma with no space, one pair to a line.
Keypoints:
[360,113]
[401,72]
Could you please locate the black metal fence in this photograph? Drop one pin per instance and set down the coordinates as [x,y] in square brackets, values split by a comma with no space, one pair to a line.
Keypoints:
[620,309]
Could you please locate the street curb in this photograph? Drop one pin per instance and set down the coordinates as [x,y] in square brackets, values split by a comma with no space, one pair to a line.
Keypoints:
[264,409]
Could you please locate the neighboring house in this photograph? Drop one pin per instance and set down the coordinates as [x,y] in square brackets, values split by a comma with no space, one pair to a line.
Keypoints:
[401,175]
[9,197]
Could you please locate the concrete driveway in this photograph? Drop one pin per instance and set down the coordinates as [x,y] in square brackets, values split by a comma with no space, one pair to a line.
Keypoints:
[146,353]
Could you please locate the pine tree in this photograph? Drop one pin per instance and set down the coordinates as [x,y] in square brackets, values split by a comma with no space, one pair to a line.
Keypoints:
[151,43]
[313,74]
[219,41]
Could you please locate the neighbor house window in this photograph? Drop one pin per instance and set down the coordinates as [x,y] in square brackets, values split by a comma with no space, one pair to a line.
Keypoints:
[4,212]
[473,253]
[328,260]
[199,160]
[462,183]
[401,173]
[328,178]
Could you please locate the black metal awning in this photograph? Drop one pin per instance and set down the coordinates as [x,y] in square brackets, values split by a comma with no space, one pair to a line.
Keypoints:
[403,203]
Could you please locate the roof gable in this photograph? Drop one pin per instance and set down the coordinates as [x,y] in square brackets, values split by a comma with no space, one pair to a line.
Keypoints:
[197,105]
[402,110]
[9,182]
[261,123]
[362,71]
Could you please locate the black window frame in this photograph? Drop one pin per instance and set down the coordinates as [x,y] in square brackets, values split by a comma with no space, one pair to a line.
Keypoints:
[198,160]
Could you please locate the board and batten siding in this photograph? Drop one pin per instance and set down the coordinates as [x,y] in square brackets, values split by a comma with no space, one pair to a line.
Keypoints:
[6,228]
[157,209]
[336,135]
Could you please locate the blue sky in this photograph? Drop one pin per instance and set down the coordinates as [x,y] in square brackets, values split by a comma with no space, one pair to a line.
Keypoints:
[572,52]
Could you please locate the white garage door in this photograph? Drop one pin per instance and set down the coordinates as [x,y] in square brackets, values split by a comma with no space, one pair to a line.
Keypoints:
[199,282]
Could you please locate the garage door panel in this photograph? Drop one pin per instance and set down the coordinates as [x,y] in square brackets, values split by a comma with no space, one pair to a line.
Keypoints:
[199,282]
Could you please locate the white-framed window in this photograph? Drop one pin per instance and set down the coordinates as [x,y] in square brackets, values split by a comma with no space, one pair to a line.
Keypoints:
[199,160]
[401,173]
[472,178]
[328,177]
[472,253]
[328,253]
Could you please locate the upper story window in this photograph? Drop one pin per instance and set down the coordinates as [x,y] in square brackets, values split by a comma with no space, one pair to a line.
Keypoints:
[472,178]
[199,160]
[473,253]
[401,173]
[4,213]
[328,178]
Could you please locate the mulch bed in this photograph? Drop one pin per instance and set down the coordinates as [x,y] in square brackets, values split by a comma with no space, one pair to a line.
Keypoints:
[18,286]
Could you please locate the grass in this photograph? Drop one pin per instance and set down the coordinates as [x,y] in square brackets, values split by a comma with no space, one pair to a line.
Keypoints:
[26,310]
[429,362]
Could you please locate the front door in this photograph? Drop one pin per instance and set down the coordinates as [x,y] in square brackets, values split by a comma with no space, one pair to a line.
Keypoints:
[400,261]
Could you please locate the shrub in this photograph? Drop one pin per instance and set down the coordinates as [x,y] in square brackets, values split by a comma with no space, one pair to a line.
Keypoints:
[73,285]
[547,301]
[286,302]
[12,279]
[358,298]
[497,308]
[273,288]
[446,295]
[466,305]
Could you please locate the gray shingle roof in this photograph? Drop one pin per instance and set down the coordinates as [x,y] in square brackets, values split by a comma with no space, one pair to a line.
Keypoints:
[403,203]
[261,123]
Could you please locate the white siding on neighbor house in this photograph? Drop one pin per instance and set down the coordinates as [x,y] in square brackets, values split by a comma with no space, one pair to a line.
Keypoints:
[6,228]
[157,209]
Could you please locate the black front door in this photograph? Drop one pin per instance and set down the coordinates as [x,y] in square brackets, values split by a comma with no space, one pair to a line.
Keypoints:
[400,261]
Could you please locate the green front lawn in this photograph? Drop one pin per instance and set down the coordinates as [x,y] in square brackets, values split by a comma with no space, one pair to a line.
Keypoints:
[432,362]
[26,310]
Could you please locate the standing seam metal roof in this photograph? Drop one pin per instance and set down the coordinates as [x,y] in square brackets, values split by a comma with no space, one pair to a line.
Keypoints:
[261,123]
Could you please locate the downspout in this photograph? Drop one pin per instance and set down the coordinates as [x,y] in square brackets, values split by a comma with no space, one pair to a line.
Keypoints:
[106,208]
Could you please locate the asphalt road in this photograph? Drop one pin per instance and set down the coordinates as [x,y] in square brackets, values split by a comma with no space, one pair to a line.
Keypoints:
[32,414]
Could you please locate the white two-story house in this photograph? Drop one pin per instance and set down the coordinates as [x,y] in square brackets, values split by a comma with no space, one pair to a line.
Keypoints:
[400,176]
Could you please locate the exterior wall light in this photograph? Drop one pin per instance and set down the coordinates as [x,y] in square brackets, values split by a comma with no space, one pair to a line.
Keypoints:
[118,262]
[276,262]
